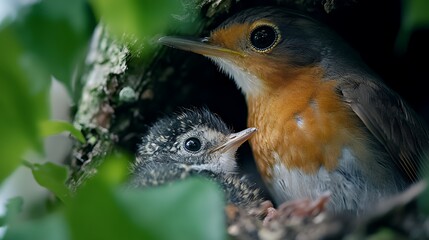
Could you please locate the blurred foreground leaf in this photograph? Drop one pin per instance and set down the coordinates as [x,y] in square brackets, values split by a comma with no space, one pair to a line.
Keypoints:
[96,214]
[386,234]
[114,170]
[13,208]
[185,210]
[190,209]
[53,177]
[415,15]
[138,19]
[19,109]
[103,208]
[54,34]
[50,227]
[50,127]
[47,38]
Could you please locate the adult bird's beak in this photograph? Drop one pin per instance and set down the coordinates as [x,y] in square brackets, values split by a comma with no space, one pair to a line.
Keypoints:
[200,46]
[234,140]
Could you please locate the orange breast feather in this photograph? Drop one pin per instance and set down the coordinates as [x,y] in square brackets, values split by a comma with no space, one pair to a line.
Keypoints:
[304,122]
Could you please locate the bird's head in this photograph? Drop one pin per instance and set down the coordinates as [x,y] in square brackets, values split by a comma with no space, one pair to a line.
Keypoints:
[261,48]
[195,138]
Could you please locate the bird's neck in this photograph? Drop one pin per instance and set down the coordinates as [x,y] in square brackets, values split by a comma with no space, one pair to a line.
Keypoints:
[302,124]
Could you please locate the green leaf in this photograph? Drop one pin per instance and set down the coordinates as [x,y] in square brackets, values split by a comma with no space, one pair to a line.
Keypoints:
[95,206]
[46,38]
[94,213]
[115,169]
[141,17]
[20,110]
[50,227]
[191,209]
[54,34]
[13,208]
[52,177]
[50,127]
[415,15]
[138,19]
[385,233]
[104,209]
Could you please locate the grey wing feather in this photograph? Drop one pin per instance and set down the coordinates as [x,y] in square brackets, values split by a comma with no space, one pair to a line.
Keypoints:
[393,123]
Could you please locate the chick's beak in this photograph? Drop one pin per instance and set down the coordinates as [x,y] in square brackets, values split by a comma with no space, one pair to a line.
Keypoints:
[234,140]
[200,46]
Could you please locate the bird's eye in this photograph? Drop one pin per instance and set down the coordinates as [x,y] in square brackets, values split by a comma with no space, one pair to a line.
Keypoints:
[264,38]
[192,144]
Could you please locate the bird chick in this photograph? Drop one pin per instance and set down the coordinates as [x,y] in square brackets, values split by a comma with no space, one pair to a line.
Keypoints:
[194,143]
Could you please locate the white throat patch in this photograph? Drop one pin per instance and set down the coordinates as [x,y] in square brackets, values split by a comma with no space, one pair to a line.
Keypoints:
[247,82]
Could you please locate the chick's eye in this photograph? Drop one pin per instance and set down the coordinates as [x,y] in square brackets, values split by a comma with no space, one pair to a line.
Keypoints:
[193,144]
[264,38]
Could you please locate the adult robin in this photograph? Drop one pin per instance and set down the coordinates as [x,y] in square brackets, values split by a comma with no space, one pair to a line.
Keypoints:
[194,143]
[325,121]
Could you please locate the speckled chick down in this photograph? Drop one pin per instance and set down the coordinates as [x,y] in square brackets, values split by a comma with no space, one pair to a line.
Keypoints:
[163,156]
